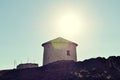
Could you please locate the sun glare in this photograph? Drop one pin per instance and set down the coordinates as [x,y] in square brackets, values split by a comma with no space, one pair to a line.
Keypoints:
[68,24]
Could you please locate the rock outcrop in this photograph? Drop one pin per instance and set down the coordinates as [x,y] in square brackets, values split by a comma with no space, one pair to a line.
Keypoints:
[91,69]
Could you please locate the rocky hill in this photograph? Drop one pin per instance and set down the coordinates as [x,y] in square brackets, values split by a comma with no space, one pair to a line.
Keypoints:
[91,69]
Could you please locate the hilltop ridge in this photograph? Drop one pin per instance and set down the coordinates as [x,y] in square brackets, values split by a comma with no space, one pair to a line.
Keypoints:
[92,69]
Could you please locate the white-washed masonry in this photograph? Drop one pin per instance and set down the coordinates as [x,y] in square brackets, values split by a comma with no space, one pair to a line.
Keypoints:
[59,49]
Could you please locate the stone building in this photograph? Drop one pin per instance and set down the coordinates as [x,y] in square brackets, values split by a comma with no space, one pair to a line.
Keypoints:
[27,65]
[59,49]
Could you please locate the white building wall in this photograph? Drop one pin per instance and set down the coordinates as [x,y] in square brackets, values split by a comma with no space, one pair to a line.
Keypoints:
[58,52]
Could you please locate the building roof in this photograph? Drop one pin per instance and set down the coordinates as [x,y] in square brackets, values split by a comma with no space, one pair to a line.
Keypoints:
[59,40]
[27,65]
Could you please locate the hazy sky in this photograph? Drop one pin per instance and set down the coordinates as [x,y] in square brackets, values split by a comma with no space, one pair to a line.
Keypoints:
[26,24]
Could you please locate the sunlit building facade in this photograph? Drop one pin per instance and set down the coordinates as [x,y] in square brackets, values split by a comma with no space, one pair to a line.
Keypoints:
[59,49]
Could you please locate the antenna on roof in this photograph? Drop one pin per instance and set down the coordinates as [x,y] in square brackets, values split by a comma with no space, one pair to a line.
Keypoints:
[27,60]
[15,63]
[21,61]
[34,60]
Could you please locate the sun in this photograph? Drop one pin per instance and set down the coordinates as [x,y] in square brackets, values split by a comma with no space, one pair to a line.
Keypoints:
[68,24]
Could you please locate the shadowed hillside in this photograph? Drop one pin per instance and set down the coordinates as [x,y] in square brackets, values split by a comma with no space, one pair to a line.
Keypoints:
[91,69]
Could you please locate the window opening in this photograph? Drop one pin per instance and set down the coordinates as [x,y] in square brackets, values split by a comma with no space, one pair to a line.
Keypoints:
[68,52]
